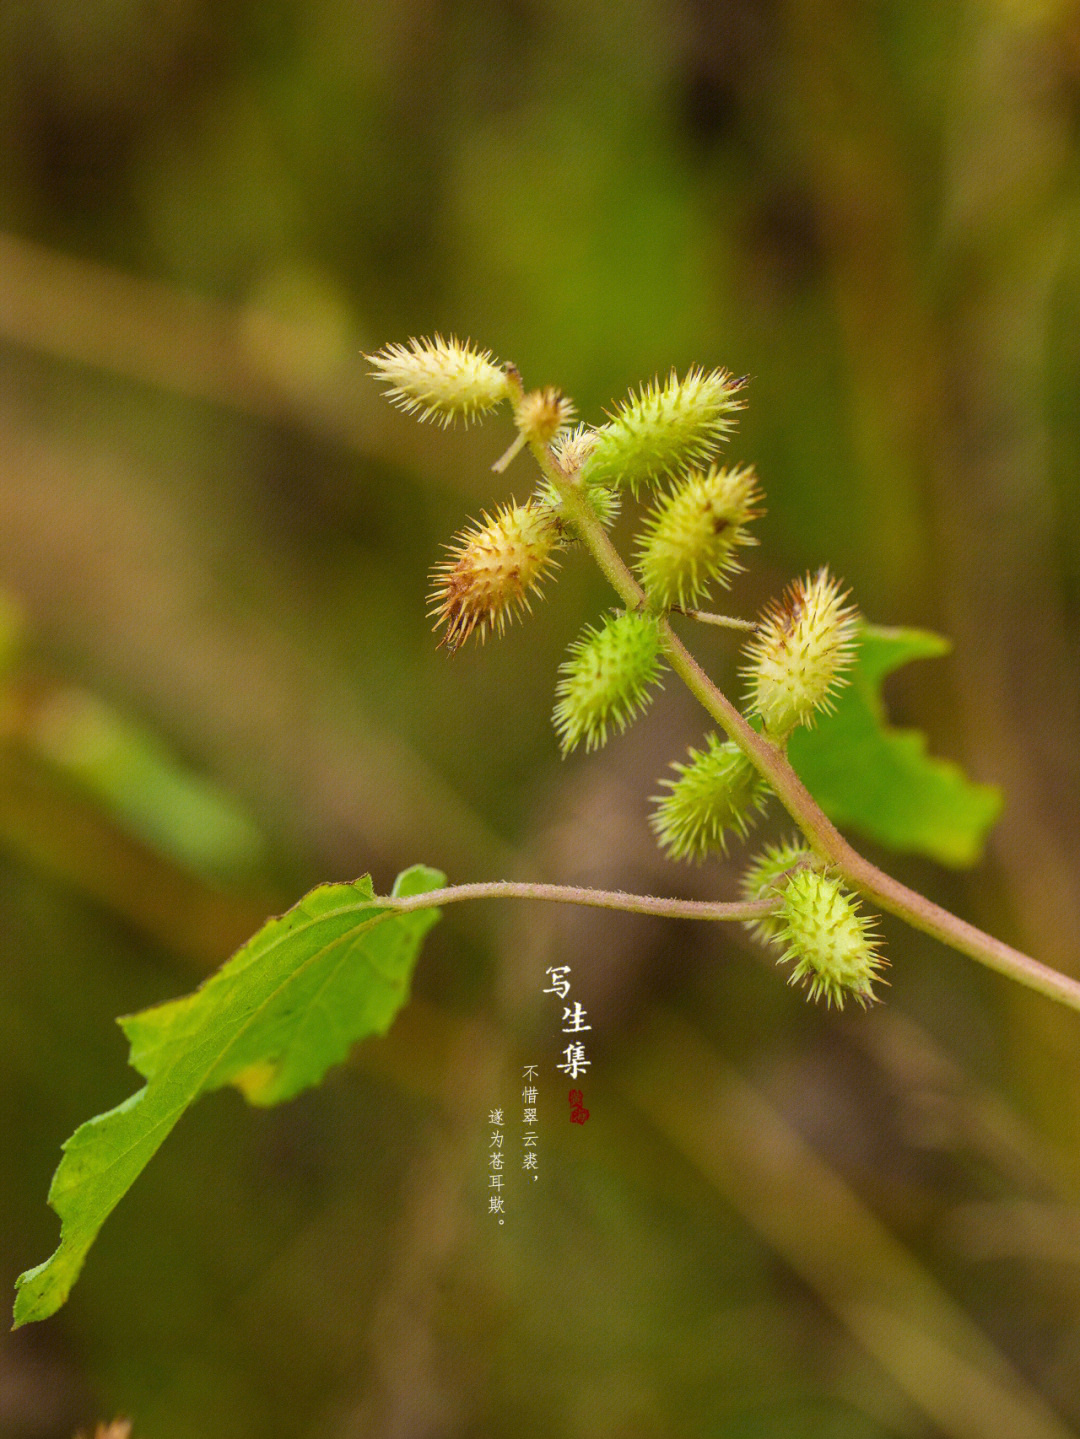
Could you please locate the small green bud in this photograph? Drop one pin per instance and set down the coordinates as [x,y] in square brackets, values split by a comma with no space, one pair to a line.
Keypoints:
[832,944]
[542,414]
[766,876]
[664,428]
[689,539]
[605,503]
[607,679]
[491,570]
[719,791]
[569,451]
[572,449]
[440,379]
[796,660]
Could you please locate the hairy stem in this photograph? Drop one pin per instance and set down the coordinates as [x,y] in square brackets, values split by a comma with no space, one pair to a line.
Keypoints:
[729,622]
[593,898]
[772,763]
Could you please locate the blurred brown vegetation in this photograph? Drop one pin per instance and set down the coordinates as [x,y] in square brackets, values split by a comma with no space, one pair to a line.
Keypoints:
[220,687]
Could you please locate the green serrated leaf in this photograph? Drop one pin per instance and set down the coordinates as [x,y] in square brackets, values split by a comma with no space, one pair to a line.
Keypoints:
[334,969]
[879,780]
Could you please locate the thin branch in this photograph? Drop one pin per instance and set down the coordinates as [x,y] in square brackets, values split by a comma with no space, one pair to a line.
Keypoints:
[593,898]
[729,622]
[504,459]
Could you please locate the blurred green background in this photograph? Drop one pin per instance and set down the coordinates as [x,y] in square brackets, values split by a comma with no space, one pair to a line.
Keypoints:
[219,687]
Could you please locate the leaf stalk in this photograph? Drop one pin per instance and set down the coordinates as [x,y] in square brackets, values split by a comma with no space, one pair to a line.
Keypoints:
[592,898]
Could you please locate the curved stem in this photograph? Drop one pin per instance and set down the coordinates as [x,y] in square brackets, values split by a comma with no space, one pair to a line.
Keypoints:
[922,913]
[772,764]
[504,459]
[729,622]
[593,898]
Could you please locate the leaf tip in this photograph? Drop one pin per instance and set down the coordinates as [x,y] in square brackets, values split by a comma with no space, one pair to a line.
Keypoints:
[417,879]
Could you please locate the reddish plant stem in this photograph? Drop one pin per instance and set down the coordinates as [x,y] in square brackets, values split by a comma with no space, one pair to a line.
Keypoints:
[773,765]
[592,898]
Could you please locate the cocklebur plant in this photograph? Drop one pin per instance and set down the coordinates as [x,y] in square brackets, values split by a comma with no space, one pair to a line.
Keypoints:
[336,968]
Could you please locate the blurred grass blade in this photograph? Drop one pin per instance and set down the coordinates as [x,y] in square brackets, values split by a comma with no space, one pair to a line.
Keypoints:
[134,776]
[887,1301]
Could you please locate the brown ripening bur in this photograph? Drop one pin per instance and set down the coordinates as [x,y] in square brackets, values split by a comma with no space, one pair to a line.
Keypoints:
[542,414]
[491,571]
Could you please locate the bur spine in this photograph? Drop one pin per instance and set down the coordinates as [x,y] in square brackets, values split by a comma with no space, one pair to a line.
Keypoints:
[607,679]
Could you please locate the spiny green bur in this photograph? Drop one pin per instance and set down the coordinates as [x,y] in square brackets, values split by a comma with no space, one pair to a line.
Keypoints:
[688,542]
[606,679]
[441,380]
[797,658]
[718,793]
[663,429]
[831,943]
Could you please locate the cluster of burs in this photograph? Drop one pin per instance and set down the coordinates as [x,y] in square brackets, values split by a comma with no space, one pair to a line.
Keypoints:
[661,441]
